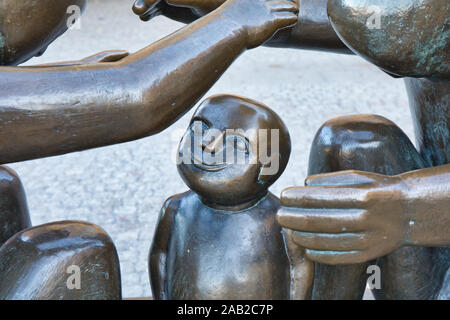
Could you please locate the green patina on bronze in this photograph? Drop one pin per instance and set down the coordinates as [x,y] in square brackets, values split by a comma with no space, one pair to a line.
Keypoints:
[406,41]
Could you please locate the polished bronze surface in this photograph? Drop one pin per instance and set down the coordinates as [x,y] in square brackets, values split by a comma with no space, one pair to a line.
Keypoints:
[312,31]
[27,27]
[59,109]
[356,216]
[41,263]
[392,212]
[221,239]
[107,98]
[14,216]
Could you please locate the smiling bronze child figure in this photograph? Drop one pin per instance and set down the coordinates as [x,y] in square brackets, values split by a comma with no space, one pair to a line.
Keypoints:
[221,239]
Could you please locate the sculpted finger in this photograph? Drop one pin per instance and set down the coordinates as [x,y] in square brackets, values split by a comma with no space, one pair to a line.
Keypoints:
[140,7]
[337,257]
[286,19]
[330,242]
[286,6]
[147,9]
[324,197]
[342,178]
[323,221]
[107,56]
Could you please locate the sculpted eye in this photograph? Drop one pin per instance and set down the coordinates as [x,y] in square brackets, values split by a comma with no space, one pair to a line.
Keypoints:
[199,127]
[239,142]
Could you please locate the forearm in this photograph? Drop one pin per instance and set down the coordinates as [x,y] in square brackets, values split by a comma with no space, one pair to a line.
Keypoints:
[428,206]
[159,249]
[157,274]
[55,110]
[313,31]
[184,71]
[301,269]
[104,56]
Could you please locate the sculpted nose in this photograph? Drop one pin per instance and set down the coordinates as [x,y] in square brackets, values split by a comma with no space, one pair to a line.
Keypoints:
[212,143]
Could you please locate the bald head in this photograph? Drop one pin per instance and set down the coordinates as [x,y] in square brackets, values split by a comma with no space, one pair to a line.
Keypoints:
[245,147]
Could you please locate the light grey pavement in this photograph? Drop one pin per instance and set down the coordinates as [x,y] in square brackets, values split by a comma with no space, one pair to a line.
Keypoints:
[122,187]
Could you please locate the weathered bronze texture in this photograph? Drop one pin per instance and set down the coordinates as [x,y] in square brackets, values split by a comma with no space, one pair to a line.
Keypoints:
[59,109]
[37,264]
[221,239]
[411,38]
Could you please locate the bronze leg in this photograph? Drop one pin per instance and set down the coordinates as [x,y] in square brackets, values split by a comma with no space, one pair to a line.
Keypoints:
[367,143]
[67,260]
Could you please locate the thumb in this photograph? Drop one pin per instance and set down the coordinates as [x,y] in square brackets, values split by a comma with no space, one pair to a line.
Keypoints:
[141,6]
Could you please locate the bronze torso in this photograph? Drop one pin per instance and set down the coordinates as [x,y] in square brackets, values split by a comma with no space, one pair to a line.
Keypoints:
[220,254]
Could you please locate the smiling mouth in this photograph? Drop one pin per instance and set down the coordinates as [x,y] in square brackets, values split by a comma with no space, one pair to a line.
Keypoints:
[207,167]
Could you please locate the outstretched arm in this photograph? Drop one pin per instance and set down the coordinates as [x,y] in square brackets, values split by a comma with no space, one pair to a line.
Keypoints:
[352,217]
[313,30]
[54,110]
[104,56]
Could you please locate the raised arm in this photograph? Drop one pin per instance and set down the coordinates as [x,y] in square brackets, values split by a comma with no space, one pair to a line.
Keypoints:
[352,217]
[58,109]
[313,30]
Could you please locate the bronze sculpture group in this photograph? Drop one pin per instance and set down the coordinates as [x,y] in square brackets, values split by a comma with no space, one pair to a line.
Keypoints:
[371,197]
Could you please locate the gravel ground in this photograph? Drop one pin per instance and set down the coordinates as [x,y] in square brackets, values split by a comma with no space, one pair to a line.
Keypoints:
[122,187]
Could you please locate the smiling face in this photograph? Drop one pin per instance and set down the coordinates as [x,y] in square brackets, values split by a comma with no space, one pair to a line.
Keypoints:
[233,150]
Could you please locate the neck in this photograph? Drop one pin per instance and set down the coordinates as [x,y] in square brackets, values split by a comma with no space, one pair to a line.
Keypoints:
[235,207]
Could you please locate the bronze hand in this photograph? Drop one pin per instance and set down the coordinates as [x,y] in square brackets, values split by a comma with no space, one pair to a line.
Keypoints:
[352,216]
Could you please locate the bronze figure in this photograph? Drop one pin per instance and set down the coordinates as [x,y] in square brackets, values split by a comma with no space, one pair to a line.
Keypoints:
[411,41]
[313,30]
[392,211]
[221,239]
[59,109]
[400,219]
[66,260]
[107,98]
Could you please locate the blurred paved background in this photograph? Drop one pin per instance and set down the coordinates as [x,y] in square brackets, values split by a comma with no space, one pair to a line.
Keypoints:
[122,187]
